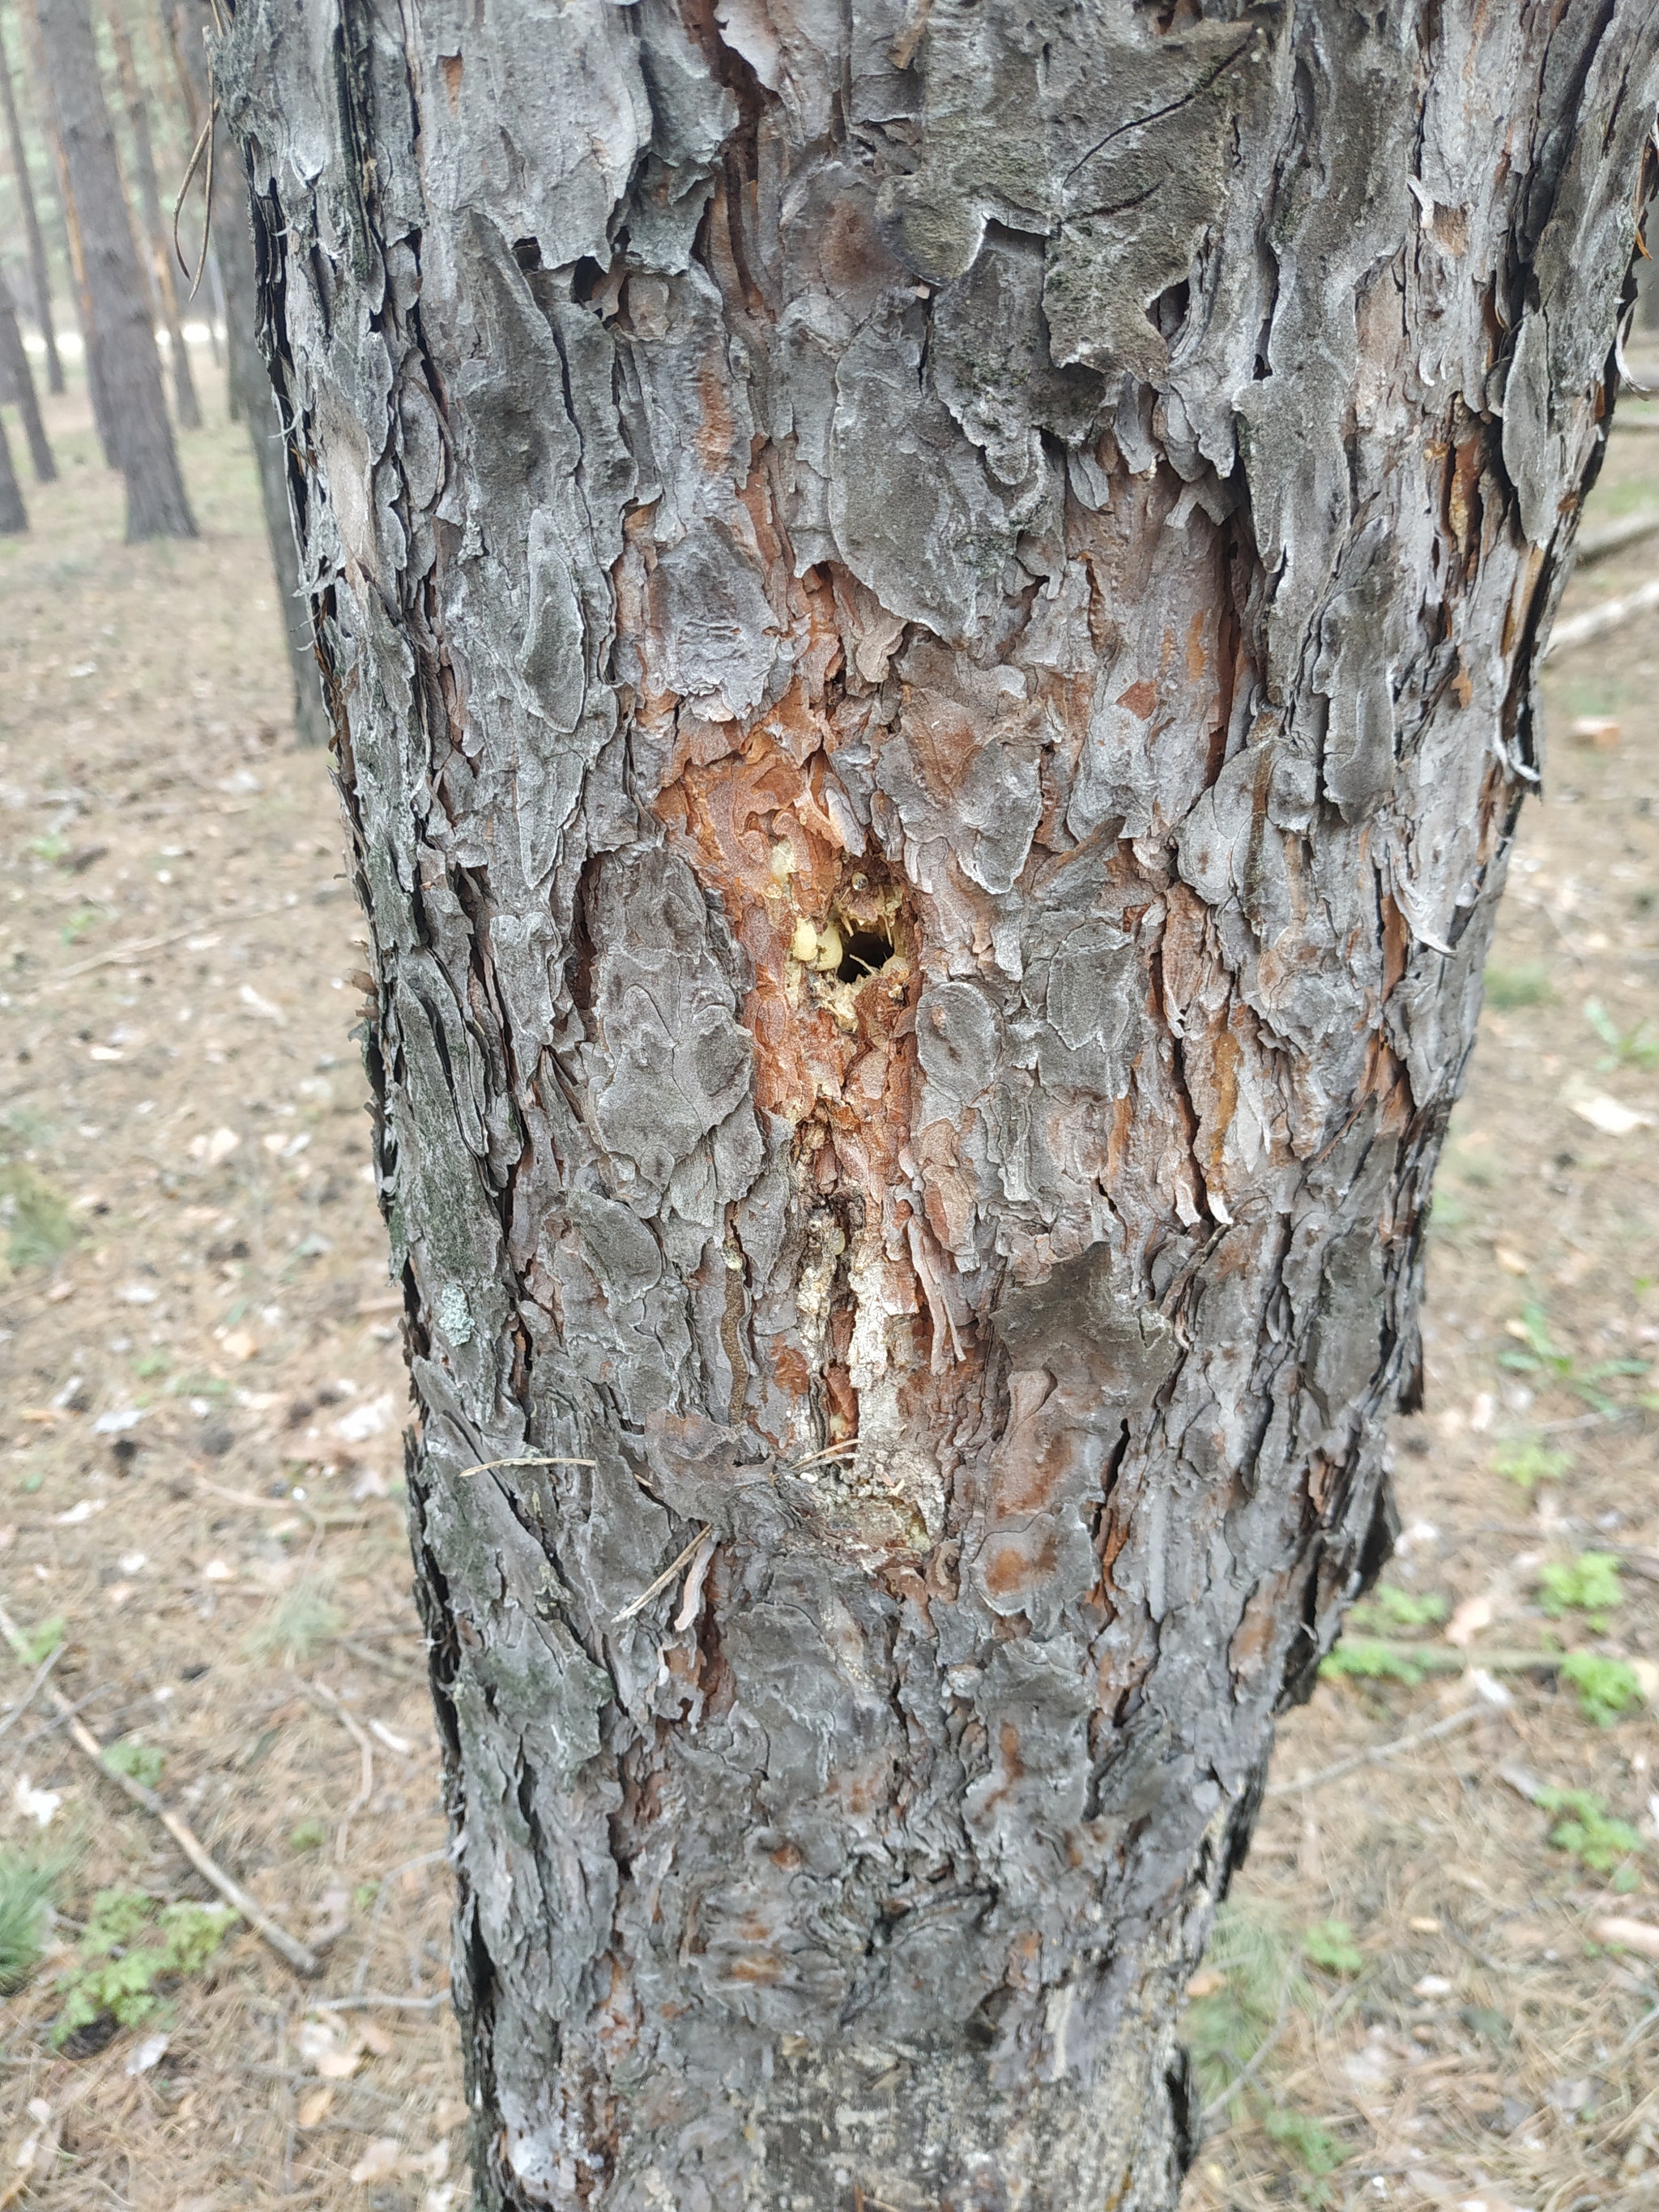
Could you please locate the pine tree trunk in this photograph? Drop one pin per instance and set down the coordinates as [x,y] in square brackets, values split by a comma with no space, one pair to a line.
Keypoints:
[39,279]
[18,382]
[123,336]
[52,131]
[933,619]
[251,396]
[157,243]
[13,515]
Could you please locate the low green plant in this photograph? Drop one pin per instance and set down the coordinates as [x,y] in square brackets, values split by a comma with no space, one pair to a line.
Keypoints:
[1525,1462]
[1509,988]
[1586,1833]
[33,1645]
[34,1218]
[1256,1960]
[142,1762]
[26,1888]
[78,924]
[1588,1585]
[1388,1607]
[1638,1047]
[1313,2147]
[1370,1659]
[128,1949]
[1536,1353]
[1329,1944]
[1606,1687]
[308,1835]
[304,1618]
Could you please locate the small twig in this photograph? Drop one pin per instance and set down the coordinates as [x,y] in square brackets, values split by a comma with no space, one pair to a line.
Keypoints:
[27,1697]
[359,1736]
[303,1961]
[1637,2033]
[1247,2072]
[135,945]
[203,143]
[812,1459]
[638,1604]
[1294,1789]
[372,1998]
[530,1459]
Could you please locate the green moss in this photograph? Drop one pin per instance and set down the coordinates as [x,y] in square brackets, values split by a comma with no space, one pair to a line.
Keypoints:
[1606,1687]
[1588,1584]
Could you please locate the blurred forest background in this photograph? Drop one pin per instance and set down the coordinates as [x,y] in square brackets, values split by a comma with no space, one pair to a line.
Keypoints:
[1437,1982]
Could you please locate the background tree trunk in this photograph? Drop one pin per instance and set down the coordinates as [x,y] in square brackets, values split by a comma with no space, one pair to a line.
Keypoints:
[932,616]
[127,366]
[13,515]
[91,357]
[38,278]
[157,231]
[18,384]
[252,400]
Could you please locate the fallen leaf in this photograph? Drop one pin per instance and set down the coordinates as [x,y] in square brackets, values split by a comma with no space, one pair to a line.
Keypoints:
[1205,1984]
[137,1294]
[313,2106]
[1431,1985]
[1467,1622]
[381,2159]
[218,1570]
[237,1344]
[1607,1115]
[1646,1672]
[150,2052]
[371,1419]
[451,2111]
[59,1292]
[82,1510]
[376,2039]
[1640,1935]
[36,1805]
[1601,731]
[120,1417]
[1509,1259]
[1425,1924]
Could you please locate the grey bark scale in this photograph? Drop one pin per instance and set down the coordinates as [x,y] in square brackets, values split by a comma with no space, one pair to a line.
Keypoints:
[17,382]
[931,621]
[157,247]
[230,251]
[122,339]
[39,281]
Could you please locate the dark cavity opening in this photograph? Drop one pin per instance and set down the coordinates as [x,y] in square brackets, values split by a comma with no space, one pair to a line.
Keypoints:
[865,951]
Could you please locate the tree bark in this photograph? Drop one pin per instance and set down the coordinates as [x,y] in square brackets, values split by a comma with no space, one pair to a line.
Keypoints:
[18,381]
[933,618]
[253,401]
[159,245]
[39,281]
[122,334]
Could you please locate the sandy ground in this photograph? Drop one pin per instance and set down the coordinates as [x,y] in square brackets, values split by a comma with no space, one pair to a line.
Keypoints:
[201,1392]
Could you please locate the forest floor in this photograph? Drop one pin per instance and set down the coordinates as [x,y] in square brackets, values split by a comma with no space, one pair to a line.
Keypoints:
[202,1391]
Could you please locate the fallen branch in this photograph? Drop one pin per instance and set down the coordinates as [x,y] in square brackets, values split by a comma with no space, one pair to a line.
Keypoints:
[1359,1758]
[302,1960]
[1614,537]
[1613,614]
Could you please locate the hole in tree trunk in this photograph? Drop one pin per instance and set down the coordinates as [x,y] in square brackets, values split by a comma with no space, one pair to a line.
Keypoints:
[865,952]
